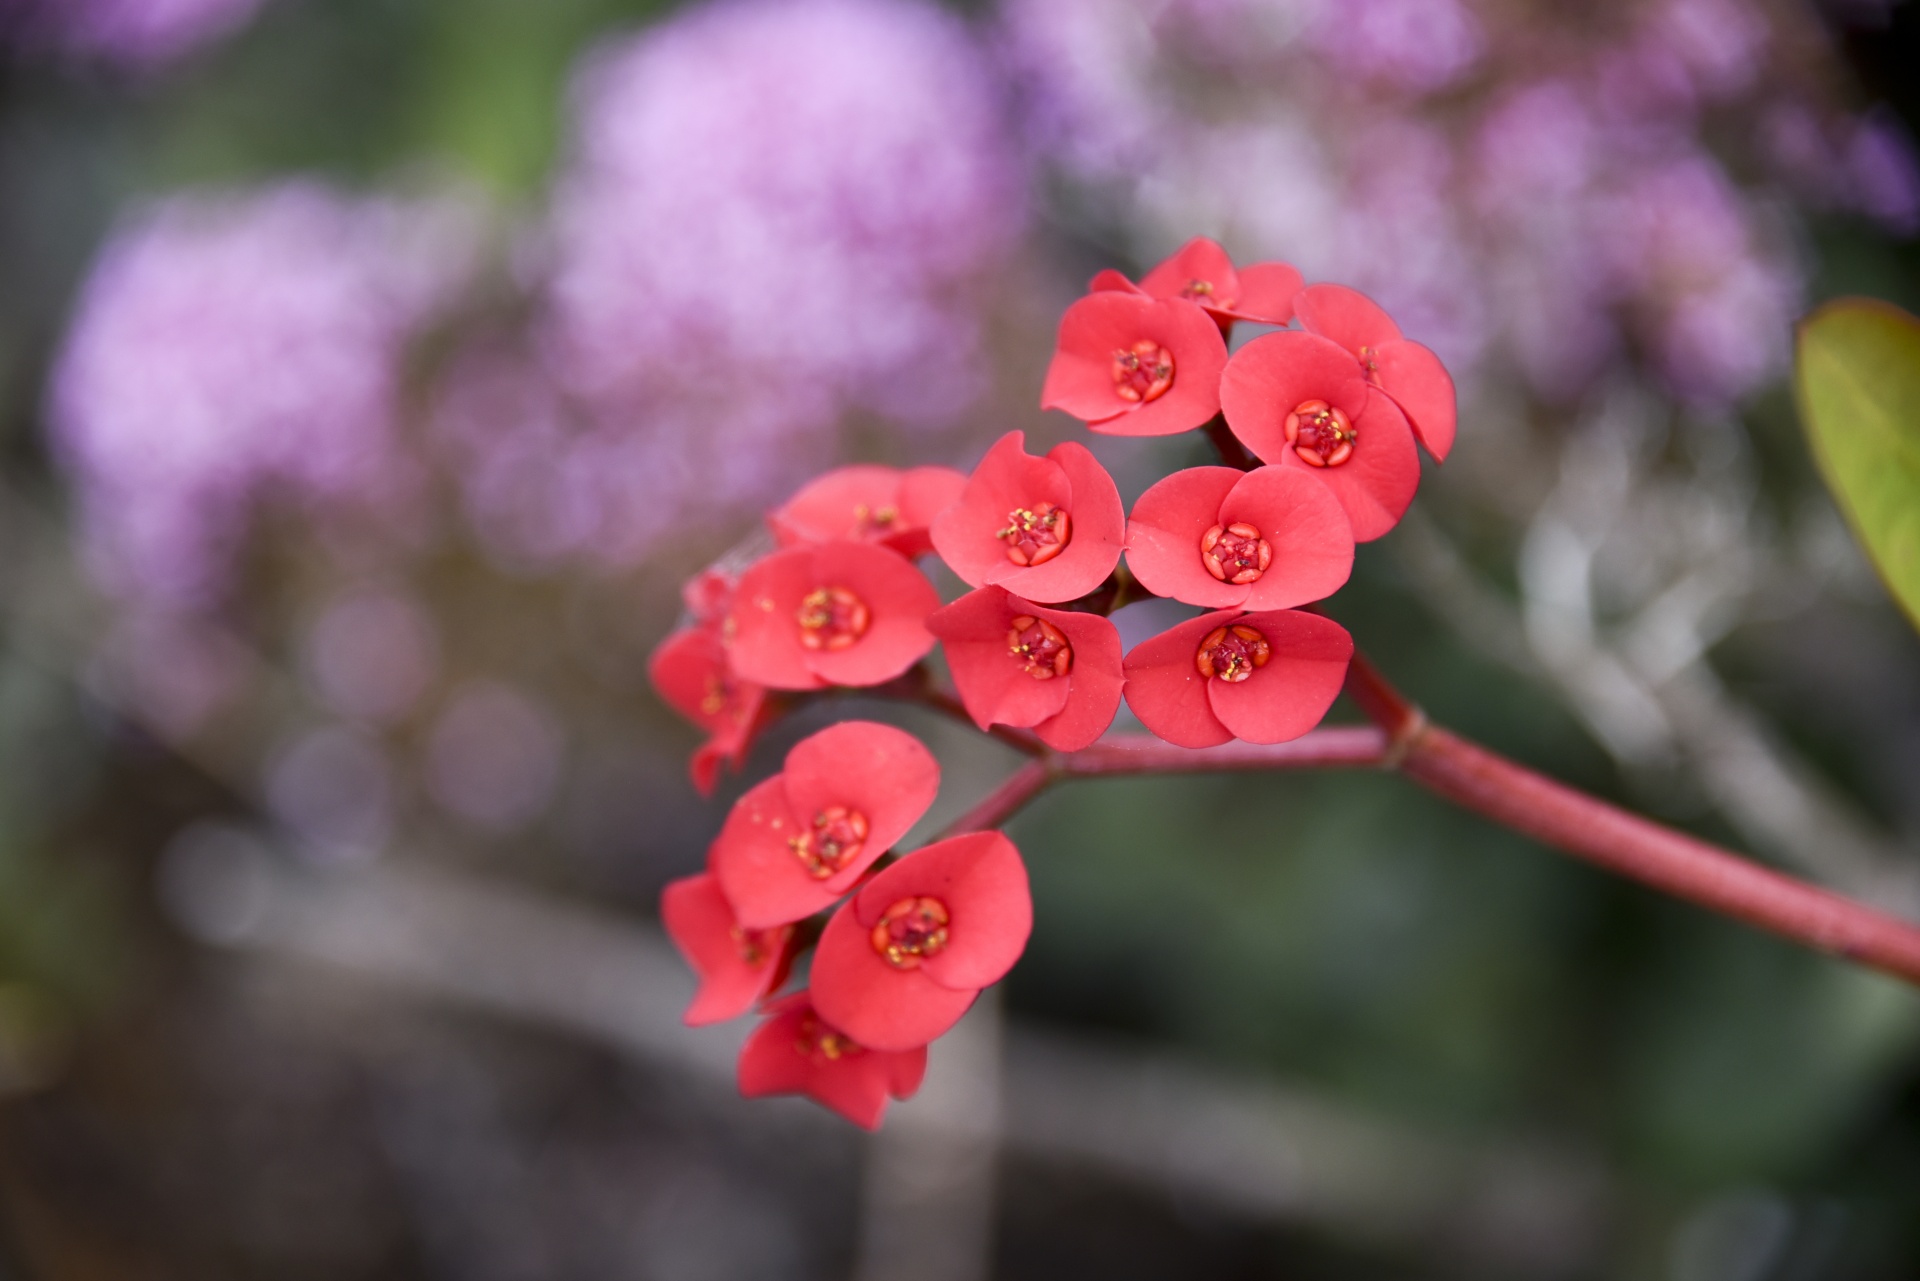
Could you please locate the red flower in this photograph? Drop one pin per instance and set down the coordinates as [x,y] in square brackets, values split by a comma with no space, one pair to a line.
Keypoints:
[1130,365]
[796,1052]
[690,671]
[1017,663]
[737,966]
[840,613]
[1202,273]
[798,841]
[1048,528]
[1300,400]
[1223,538]
[1405,370]
[869,504]
[902,960]
[1264,677]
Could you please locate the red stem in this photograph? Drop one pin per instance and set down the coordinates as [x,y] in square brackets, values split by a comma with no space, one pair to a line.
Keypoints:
[1510,794]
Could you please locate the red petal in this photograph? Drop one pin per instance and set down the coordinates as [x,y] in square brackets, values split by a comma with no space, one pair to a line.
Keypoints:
[1093,692]
[859,992]
[983,883]
[1165,690]
[680,668]
[899,598]
[1099,529]
[906,1069]
[994,687]
[883,772]
[1199,259]
[700,922]
[1292,692]
[1423,389]
[925,492]
[1163,537]
[836,505]
[1008,478]
[1273,375]
[1267,291]
[856,1085]
[1375,486]
[1346,316]
[757,869]
[1080,379]
[1111,281]
[1306,527]
[765,642]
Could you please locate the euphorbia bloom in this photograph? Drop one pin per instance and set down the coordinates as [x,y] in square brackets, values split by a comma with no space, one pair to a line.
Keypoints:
[1049,529]
[1220,537]
[1405,370]
[1264,677]
[901,961]
[691,672]
[1129,365]
[1016,663]
[841,613]
[797,1052]
[737,966]
[869,504]
[1299,400]
[1202,273]
[798,841]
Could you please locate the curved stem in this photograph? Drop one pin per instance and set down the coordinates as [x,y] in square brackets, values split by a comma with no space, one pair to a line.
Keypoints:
[1588,828]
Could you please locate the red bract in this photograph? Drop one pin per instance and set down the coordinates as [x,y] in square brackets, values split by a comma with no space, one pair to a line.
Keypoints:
[869,504]
[1220,537]
[1047,528]
[1264,677]
[798,841]
[840,613]
[1302,401]
[1408,372]
[737,966]
[797,1052]
[690,671]
[1130,365]
[1016,663]
[1202,273]
[901,962]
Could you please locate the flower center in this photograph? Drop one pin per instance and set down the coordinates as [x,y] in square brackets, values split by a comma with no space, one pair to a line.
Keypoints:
[821,1043]
[1198,291]
[718,697]
[1235,553]
[832,618]
[1036,535]
[1322,435]
[757,947]
[1143,371]
[1370,361]
[1231,653]
[870,522]
[910,931]
[836,838]
[1040,648]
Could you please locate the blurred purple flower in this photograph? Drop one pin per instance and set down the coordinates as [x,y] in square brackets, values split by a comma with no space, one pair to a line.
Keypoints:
[139,34]
[776,211]
[494,757]
[1883,176]
[371,654]
[1420,46]
[230,347]
[333,789]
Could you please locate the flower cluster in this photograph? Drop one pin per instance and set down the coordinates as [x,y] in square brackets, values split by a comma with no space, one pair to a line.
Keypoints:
[1328,419]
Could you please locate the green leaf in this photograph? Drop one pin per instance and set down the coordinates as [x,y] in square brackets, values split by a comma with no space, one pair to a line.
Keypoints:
[1858,380]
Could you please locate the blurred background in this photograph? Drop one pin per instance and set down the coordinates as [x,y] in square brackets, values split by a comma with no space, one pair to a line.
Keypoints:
[373,371]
